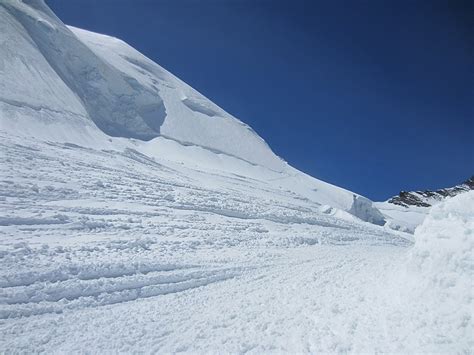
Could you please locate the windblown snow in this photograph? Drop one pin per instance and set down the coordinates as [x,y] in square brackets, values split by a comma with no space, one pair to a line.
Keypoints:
[138,216]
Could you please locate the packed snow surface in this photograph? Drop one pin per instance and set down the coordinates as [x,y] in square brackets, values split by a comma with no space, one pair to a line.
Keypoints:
[103,250]
[138,216]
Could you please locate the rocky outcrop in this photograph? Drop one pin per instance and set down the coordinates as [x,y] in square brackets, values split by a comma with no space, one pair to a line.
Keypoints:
[427,198]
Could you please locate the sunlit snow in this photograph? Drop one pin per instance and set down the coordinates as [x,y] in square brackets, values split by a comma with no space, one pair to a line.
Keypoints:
[138,216]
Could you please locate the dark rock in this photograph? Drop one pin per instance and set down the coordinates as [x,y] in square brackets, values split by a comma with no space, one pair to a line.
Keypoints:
[419,198]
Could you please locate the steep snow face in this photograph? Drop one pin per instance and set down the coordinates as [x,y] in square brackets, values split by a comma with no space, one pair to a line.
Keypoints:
[67,85]
[116,104]
[124,93]
[191,118]
[27,79]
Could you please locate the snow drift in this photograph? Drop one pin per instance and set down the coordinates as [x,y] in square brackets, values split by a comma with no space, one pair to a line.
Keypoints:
[435,287]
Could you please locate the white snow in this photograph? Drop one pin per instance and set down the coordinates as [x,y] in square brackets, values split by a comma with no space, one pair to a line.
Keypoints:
[401,218]
[441,265]
[407,217]
[112,256]
[128,228]
[84,84]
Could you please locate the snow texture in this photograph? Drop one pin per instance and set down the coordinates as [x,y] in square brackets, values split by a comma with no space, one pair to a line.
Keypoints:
[172,259]
[440,276]
[124,93]
[401,218]
[171,226]
[83,87]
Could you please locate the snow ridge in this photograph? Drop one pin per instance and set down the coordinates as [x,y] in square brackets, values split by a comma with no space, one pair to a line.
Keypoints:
[87,88]
[121,91]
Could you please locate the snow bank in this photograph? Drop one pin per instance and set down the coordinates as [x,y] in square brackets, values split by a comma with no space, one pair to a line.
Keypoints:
[437,285]
[444,241]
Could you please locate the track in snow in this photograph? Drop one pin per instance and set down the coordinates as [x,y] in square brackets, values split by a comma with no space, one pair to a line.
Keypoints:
[133,253]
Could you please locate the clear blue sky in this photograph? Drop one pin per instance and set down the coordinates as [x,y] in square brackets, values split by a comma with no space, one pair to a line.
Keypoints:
[374,96]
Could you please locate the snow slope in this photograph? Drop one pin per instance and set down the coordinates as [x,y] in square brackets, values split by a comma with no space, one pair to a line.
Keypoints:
[114,251]
[85,88]
[103,80]
[137,216]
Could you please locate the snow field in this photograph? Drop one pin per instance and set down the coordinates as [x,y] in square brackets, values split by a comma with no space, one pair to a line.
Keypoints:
[114,250]
[200,240]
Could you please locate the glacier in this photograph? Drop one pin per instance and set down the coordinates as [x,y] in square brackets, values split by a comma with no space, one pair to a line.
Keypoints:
[138,216]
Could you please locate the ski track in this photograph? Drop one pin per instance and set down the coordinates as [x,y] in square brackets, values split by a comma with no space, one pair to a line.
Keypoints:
[87,232]
[138,216]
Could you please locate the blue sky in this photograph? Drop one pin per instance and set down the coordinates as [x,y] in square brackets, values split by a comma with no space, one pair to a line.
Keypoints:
[374,96]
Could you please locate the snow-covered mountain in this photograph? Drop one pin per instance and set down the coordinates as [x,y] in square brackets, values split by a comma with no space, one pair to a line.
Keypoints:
[428,198]
[138,216]
[84,80]
[408,210]
[68,85]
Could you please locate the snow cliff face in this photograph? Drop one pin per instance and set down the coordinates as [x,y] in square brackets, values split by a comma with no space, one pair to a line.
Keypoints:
[63,84]
[105,81]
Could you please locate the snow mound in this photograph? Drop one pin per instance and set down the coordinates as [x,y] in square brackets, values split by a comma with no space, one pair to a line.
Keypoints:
[437,286]
[445,240]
